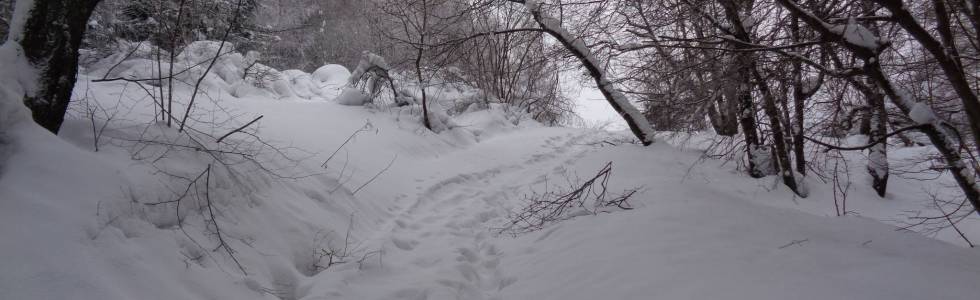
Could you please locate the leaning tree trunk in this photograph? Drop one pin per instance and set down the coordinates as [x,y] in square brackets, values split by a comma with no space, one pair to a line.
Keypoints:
[946,55]
[636,121]
[51,35]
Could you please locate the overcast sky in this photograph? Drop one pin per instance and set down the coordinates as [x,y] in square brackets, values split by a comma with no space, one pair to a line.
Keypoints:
[590,105]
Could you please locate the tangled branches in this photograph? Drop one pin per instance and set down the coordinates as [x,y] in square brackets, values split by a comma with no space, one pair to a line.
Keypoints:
[587,198]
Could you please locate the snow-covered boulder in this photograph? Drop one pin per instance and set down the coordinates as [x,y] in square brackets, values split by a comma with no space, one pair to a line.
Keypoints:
[333,75]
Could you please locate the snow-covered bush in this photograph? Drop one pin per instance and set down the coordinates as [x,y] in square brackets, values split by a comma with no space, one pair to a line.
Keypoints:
[353,97]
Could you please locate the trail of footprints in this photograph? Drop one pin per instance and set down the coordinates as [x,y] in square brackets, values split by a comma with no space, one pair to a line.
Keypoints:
[451,220]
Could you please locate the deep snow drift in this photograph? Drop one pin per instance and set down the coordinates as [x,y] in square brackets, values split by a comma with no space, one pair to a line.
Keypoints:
[411,214]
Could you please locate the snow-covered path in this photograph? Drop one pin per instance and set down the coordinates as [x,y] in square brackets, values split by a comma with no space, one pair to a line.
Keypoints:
[440,245]
[424,228]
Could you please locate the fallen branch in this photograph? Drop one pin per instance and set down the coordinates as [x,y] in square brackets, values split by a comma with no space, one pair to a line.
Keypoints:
[217,230]
[591,196]
[238,129]
[376,175]
[367,127]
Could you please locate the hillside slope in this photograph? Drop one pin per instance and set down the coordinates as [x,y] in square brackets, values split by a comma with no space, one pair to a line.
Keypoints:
[410,214]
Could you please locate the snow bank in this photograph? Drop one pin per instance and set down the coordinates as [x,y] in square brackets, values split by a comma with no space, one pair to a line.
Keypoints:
[233,74]
[332,74]
[352,97]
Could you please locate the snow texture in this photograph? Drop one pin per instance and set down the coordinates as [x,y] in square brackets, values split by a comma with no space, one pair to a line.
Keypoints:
[859,35]
[332,74]
[921,113]
[353,97]
[73,226]
[18,20]
[17,79]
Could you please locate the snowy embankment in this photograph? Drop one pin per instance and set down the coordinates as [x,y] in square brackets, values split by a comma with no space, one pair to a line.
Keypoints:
[75,223]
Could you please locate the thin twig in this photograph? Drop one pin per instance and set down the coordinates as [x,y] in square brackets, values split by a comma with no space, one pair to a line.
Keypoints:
[376,175]
[238,129]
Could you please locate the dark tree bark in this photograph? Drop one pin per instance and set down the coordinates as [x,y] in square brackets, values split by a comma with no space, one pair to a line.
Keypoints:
[946,54]
[50,38]
[802,90]
[778,136]
[938,132]
[877,154]
[418,64]
[722,115]
[744,65]
[723,111]
[747,63]
[636,121]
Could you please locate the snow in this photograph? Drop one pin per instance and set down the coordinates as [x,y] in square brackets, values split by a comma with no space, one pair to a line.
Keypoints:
[73,223]
[332,74]
[921,113]
[16,81]
[857,34]
[603,81]
[368,60]
[18,20]
[352,96]
[303,85]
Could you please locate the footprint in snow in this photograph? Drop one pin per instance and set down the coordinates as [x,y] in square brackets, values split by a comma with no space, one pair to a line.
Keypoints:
[404,244]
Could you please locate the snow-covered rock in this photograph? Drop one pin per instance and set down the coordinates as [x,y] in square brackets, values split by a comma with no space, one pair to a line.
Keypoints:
[332,74]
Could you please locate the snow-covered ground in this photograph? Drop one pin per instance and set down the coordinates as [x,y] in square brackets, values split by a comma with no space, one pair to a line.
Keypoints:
[413,214]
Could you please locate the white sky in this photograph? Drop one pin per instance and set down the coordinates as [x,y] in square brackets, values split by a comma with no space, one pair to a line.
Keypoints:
[589,103]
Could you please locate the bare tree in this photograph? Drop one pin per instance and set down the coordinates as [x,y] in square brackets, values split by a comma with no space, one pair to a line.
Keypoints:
[636,121]
[50,37]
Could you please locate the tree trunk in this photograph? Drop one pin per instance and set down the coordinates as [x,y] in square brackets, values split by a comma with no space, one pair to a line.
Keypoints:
[877,128]
[722,118]
[877,154]
[636,121]
[744,68]
[747,64]
[418,64]
[723,109]
[946,55]
[941,138]
[746,118]
[779,140]
[803,89]
[51,36]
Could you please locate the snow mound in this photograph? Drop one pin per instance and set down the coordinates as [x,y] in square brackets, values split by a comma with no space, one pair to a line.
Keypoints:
[333,75]
[352,97]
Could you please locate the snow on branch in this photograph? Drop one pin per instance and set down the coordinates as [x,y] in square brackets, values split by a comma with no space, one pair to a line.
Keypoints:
[637,121]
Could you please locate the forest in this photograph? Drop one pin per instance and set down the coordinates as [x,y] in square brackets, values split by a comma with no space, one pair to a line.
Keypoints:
[441,149]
